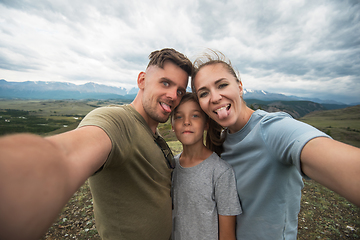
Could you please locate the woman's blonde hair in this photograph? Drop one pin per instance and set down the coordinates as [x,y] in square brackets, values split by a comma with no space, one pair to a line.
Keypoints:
[211,57]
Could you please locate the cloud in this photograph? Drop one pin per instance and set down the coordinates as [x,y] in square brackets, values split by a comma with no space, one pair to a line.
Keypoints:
[296,47]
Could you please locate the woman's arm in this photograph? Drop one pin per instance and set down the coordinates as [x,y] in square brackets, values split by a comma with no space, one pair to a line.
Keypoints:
[333,164]
[227,225]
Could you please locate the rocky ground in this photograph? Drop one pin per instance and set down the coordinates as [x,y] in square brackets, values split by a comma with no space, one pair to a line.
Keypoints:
[323,215]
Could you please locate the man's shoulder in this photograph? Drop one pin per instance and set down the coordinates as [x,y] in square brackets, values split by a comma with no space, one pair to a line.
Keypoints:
[109,115]
[111,110]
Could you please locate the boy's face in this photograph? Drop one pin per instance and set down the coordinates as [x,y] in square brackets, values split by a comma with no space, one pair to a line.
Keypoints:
[189,123]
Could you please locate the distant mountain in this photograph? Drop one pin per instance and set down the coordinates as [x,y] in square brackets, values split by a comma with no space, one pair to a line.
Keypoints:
[62,90]
[296,109]
[267,96]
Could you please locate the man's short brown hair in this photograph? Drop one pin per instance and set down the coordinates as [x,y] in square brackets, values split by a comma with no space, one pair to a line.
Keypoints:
[159,57]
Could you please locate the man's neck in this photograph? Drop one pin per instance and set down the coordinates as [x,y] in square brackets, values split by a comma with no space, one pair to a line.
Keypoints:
[137,105]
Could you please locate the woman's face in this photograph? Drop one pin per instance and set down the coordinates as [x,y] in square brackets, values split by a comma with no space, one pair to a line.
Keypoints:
[219,95]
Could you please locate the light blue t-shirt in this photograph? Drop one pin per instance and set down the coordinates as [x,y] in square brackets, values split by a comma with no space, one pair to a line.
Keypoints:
[265,155]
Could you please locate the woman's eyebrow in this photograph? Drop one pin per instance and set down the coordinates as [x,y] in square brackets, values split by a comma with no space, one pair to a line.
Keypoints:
[216,82]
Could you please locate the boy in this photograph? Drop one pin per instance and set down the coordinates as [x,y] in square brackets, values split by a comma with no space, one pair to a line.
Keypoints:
[204,188]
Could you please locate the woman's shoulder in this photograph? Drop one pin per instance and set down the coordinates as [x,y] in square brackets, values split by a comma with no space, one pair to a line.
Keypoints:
[264,115]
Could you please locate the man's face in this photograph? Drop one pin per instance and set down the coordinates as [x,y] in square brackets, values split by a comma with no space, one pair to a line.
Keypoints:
[163,89]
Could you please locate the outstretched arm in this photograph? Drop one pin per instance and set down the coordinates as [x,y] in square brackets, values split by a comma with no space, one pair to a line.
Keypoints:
[335,165]
[39,175]
[227,227]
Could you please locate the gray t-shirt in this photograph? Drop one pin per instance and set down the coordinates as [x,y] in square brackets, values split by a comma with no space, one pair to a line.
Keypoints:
[200,194]
[265,155]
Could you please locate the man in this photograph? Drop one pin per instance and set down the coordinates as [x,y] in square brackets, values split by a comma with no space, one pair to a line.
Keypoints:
[131,186]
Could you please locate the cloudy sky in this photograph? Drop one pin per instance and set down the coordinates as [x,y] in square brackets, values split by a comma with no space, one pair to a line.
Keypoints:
[296,47]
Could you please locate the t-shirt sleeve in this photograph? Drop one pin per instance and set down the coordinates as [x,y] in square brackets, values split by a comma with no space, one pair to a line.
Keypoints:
[226,195]
[285,137]
[110,120]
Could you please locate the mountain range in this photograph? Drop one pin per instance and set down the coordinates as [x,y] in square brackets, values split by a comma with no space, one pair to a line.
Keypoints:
[63,90]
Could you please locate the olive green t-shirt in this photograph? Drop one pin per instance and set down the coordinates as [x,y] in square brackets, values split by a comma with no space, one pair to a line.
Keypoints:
[131,192]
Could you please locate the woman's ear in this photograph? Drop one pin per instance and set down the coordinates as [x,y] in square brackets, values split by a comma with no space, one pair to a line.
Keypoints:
[141,80]
[241,88]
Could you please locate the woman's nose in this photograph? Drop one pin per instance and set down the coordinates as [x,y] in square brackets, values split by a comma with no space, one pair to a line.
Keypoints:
[215,96]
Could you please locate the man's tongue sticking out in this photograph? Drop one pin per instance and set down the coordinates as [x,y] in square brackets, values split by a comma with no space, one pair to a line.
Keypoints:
[166,107]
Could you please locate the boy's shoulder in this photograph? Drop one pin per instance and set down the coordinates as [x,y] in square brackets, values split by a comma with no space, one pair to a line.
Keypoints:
[221,163]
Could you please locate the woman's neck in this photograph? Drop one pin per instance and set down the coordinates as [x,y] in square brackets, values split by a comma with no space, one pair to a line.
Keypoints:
[242,120]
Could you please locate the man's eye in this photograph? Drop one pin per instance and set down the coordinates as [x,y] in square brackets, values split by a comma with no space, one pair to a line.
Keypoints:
[180,93]
[166,84]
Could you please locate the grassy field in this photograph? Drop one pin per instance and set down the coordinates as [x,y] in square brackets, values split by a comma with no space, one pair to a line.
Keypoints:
[341,124]
[324,214]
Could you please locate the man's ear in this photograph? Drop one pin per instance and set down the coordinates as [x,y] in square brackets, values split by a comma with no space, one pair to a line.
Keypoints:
[141,80]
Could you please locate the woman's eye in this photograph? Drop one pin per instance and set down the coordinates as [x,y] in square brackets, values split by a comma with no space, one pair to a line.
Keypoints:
[202,94]
[223,85]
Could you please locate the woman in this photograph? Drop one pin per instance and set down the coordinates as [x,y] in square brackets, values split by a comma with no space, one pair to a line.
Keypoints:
[270,152]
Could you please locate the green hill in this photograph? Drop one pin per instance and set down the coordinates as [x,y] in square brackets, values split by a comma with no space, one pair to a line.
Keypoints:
[341,124]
